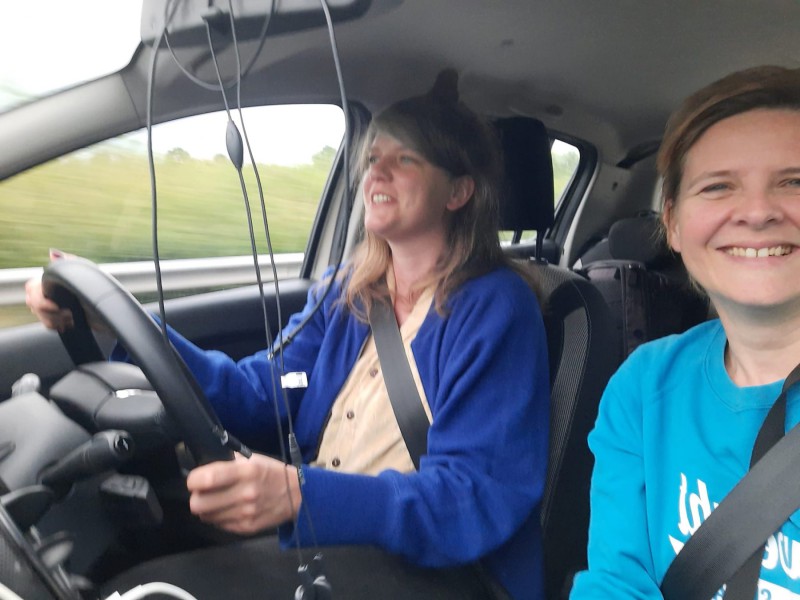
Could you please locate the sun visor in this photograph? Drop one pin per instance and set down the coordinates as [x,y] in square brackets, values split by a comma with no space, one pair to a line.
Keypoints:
[186,23]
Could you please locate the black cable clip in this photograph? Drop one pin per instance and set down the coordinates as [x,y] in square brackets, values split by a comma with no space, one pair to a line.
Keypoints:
[233,443]
[314,585]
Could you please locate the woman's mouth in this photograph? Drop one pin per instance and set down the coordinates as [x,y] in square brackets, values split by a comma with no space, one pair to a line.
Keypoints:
[745,252]
[381,198]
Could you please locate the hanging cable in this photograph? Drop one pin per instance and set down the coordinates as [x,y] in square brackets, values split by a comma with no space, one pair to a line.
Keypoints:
[235,150]
[150,589]
[344,214]
[271,253]
[225,438]
[152,170]
[219,85]
[236,153]
[268,237]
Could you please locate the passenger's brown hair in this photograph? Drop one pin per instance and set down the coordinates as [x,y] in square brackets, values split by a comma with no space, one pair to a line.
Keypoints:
[764,87]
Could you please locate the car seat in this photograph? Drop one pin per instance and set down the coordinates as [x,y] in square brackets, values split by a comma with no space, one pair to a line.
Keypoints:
[579,331]
[644,283]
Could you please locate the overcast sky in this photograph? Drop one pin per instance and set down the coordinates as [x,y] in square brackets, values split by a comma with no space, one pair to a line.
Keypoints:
[47,45]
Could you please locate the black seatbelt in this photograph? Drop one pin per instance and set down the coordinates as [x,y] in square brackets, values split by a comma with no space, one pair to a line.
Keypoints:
[407,405]
[729,545]
[403,394]
[744,584]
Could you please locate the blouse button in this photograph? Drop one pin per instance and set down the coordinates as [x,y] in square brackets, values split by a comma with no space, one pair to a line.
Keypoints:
[350,414]
[336,462]
[373,372]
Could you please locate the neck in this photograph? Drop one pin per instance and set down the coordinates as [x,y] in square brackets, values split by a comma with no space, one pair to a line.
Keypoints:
[763,346]
[413,264]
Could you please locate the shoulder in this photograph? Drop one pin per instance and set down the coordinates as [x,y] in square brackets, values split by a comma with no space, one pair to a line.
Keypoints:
[680,345]
[666,362]
[331,285]
[658,384]
[501,288]
[498,306]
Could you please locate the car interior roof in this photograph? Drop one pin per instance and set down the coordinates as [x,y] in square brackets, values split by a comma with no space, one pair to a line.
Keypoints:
[605,72]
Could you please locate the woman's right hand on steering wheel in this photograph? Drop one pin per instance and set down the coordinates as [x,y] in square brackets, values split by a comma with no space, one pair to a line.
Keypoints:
[47,311]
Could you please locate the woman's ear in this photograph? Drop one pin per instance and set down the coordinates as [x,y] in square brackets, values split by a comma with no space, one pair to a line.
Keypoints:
[671,225]
[463,188]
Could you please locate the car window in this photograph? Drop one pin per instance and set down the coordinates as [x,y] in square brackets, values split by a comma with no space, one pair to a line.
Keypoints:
[96,203]
[85,49]
[565,162]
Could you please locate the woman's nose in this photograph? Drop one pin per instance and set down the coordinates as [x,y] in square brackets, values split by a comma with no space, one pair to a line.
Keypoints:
[759,207]
[379,169]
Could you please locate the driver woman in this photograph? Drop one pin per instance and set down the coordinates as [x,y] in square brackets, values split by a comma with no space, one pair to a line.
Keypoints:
[475,340]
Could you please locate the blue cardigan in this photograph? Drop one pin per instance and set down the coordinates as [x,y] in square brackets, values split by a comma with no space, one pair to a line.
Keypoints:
[476,495]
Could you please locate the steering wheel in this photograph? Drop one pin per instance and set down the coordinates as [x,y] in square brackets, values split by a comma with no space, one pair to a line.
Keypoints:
[82,287]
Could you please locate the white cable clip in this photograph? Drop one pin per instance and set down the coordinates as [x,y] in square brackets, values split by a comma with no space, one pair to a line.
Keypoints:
[294,380]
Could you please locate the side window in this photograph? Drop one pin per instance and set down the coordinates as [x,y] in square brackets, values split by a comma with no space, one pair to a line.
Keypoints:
[96,203]
[565,162]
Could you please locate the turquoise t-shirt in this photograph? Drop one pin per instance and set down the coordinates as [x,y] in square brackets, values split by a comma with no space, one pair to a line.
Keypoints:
[673,436]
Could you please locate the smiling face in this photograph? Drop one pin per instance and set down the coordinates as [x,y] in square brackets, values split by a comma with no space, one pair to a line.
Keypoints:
[736,218]
[406,197]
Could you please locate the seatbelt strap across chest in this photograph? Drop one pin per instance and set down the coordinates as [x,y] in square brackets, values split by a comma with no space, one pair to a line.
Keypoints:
[403,394]
[729,545]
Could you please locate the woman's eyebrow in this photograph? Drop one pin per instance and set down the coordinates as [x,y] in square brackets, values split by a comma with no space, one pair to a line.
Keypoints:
[709,175]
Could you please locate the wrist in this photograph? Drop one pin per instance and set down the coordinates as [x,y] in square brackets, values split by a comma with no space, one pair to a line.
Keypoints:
[293,491]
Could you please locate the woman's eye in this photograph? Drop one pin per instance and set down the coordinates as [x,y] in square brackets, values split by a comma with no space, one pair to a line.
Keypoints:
[715,188]
[793,182]
[407,159]
[372,159]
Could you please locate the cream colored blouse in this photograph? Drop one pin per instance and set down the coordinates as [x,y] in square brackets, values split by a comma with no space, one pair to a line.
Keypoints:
[362,434]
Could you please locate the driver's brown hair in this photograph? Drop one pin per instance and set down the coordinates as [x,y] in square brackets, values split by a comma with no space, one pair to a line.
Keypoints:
[453,137]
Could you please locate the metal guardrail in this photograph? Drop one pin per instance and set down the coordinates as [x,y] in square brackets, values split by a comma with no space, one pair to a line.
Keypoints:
[176,275]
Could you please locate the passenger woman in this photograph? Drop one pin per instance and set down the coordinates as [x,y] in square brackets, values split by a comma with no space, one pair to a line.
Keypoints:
[678,421]
[474,337]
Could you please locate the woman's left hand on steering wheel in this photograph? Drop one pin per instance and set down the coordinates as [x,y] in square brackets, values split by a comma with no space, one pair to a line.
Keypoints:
[245,495]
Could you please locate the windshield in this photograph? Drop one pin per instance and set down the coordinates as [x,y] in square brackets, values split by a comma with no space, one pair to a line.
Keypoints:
[50,45]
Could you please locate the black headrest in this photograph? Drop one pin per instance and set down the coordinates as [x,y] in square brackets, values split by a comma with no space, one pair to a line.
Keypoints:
[639,238]
[527,201]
